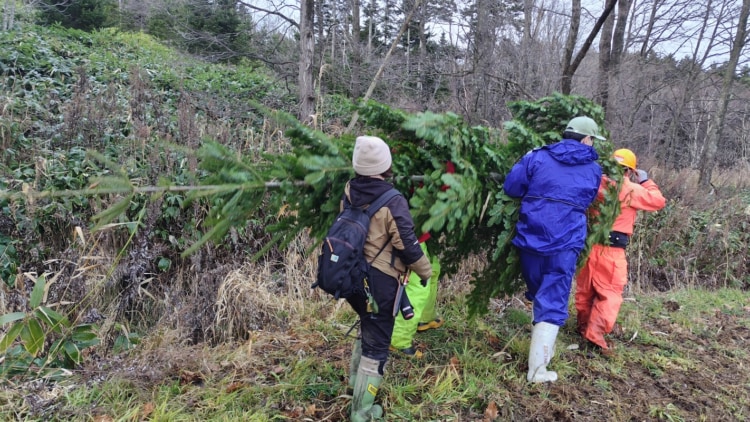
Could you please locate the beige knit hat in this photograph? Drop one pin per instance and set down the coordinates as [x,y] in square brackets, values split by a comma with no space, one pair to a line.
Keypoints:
[371,156]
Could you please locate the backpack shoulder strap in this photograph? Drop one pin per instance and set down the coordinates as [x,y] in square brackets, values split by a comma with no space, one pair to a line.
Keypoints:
[374,207]
[382,200]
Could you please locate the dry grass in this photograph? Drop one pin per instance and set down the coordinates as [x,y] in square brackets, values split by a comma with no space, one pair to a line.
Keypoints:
[698,240]
[682,185]
[269,294]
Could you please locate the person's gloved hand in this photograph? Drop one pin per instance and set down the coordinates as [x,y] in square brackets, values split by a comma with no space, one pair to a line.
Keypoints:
[424,282]
[642,175]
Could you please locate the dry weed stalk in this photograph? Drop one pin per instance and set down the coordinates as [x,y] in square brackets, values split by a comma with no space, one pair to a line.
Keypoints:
[260,296]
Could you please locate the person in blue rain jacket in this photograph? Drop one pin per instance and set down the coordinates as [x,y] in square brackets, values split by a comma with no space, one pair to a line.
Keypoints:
[556,184]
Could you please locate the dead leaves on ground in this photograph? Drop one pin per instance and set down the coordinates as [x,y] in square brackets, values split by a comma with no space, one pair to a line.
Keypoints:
[144,415]
[191,378]
[491,412]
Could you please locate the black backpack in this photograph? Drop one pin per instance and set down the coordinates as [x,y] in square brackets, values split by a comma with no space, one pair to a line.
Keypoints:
[342,266]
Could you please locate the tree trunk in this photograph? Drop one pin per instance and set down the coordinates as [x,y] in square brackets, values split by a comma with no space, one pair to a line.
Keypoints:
[356,89]
[422,53]
[319,31]
[615,52]
[480,99]
[570,67]
[570,44]
[407,52]
[651,22]
[525,74]
[618,37]
[306,56]
[528,7]
[370,29]
[9,14]
[605,57]
[709,152]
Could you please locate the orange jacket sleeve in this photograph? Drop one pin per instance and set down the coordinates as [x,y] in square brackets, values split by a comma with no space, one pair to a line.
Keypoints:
[635,197]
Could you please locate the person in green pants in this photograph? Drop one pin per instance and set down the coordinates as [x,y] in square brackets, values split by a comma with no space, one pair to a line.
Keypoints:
[423,299]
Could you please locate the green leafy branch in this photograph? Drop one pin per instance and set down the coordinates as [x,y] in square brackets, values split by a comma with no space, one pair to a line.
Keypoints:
[24,342]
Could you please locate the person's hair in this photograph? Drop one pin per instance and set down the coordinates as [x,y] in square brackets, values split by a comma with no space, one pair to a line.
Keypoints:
[385,175]
[631,174]
[573,135]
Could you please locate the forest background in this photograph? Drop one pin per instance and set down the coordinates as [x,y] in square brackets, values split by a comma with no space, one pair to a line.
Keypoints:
[96,92]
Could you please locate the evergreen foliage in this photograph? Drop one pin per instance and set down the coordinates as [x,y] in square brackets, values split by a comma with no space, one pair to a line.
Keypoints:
[466,212]
[217,30]
[86,15]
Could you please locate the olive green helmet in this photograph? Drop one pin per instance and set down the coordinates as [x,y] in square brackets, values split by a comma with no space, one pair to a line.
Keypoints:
[584,126]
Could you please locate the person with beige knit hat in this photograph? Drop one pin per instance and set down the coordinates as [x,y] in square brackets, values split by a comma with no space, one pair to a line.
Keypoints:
[392,250]
[372,157]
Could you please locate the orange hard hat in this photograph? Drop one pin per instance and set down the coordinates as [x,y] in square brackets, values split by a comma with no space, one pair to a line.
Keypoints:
[625,157]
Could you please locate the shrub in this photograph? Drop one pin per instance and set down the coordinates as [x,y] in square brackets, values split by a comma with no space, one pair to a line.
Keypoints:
[87,15]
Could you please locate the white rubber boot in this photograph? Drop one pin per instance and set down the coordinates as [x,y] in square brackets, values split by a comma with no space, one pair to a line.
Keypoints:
[542,347]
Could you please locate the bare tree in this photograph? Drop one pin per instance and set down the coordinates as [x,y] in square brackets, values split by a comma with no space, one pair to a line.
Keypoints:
[356,90]
[703,45]
[371,28]
[651,21]
[618,37]
[374,82]
[306,57]
[546,25]
[9,14]
[611,48]
[605,58]
[571,65]
[655,23]
[422,18]
[664,103]
[570,45]
[709,153]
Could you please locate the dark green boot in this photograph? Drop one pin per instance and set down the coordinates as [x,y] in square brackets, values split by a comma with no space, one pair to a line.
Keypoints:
[354,364]
[365,389]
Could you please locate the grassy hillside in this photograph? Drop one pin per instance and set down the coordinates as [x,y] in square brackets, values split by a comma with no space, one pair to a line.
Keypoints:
[145,333]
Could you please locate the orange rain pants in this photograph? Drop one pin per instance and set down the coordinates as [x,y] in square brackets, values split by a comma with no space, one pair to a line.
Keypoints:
[599,289]
[602,280]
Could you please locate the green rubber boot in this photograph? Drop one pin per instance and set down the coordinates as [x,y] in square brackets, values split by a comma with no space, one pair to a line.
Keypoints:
[365,389]
[354,363]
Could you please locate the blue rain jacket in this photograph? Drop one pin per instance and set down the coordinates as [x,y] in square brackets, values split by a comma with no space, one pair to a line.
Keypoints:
[556,184]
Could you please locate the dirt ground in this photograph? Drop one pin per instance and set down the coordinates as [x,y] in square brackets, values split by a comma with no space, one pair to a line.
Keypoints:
[689,377]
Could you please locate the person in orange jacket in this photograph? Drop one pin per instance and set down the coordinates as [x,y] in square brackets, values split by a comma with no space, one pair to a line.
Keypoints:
[602,280]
